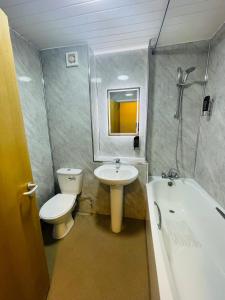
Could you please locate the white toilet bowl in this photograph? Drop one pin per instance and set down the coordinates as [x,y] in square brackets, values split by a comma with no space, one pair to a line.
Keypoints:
[57,211]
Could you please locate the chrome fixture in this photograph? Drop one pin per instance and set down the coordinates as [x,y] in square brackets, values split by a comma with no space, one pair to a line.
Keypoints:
[31,187]
[187,72]
[161,27]
[182,83]
[171,174]
[160,216]
[117,162]
[182,77]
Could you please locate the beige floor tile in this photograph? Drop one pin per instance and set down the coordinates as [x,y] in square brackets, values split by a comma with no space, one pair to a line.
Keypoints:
[92,263]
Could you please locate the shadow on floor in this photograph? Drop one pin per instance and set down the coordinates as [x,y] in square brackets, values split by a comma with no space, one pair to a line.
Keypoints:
[51,244]
[47,233]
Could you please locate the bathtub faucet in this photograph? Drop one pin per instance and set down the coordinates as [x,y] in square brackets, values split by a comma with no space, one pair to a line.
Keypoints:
[117,162]
[172,174]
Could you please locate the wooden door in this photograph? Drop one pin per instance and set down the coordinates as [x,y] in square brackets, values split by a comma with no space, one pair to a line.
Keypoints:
[23,269]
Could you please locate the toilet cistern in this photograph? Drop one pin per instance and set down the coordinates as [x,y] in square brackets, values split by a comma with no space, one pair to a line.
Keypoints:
[116,176]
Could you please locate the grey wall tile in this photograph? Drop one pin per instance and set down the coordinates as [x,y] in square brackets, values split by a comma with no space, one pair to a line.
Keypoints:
[109,66]
[28,64]
[68,108]
[96,196]
[210,169]
[162,127]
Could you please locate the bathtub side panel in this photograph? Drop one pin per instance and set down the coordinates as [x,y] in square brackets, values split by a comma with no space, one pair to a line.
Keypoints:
[166,288]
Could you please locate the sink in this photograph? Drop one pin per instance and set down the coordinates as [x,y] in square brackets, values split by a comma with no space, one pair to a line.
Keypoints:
[116,178]
[109,175]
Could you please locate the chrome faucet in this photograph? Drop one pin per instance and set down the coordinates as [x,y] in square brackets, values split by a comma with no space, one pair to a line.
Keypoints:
[117,162]
[172,174]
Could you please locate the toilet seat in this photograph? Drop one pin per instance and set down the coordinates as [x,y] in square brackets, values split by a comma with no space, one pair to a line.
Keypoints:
[57,206]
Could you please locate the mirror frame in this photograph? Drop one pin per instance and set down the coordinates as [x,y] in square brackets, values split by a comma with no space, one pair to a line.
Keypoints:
[138,111]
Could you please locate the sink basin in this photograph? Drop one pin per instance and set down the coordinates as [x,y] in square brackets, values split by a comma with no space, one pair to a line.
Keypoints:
[116,179]
[109,175]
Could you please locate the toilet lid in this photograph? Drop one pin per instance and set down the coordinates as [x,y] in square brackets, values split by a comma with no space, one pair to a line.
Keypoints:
[57,206]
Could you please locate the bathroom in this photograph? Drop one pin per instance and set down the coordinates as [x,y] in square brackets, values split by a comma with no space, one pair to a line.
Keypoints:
[112,149]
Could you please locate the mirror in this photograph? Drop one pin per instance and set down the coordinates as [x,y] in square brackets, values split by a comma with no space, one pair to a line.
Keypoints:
[123,111]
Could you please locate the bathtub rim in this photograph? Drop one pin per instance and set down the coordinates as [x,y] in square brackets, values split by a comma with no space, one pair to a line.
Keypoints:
[167,288]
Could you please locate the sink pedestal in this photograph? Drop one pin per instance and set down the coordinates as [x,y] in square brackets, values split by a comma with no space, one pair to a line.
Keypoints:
[116,200]
[116,178]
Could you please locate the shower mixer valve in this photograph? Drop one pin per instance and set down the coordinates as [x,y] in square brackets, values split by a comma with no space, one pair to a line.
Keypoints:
[171,174]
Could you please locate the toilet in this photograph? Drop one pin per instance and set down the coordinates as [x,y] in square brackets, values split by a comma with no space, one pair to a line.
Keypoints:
[58,209]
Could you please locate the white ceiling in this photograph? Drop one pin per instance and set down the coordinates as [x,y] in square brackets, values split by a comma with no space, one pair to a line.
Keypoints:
[113,25]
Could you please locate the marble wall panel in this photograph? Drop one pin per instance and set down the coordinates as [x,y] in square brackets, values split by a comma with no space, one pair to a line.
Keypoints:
[109,66]
[163,94]
[29,75]
[96,196]
[69,113]
[68,109]
[210,169]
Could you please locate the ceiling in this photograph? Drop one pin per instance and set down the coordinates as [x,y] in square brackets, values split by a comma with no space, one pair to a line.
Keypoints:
[113,25]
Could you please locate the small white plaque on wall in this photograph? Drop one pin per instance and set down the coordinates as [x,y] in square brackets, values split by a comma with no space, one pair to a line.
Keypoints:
[72,59]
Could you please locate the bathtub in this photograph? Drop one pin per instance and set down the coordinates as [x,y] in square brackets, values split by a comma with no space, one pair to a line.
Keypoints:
[189,244]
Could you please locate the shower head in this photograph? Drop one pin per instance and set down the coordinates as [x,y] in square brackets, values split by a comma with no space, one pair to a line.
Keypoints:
[187,72]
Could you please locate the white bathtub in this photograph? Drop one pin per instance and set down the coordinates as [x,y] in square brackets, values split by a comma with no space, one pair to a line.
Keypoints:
[190,246]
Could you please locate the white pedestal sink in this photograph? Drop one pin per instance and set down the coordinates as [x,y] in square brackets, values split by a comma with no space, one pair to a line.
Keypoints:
[116,178]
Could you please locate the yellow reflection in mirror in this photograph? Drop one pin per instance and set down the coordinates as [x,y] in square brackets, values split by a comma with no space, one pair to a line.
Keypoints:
[123,112]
